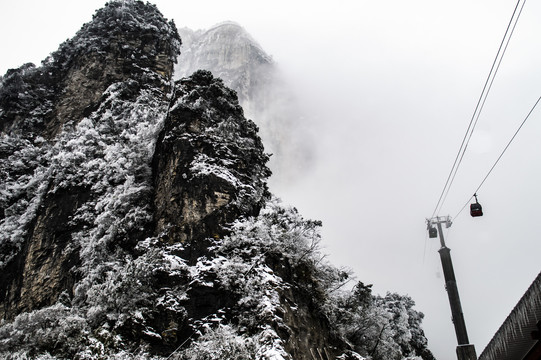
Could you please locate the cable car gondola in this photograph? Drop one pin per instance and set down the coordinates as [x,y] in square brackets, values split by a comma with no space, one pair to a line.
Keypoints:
[476,209]
[432,231]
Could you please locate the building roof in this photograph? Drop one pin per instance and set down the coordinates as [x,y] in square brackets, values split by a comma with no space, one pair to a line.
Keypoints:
[513,340]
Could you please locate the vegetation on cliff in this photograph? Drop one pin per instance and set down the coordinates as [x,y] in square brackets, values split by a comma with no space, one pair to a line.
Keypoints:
[136,222]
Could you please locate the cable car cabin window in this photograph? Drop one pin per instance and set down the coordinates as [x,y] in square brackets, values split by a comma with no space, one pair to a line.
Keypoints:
[476,210]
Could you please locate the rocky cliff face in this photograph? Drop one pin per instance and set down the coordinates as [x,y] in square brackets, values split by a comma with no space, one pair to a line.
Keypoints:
[136,221]
[41,113]
[209,164]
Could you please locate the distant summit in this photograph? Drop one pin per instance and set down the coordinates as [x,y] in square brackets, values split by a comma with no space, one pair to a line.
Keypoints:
[232,54]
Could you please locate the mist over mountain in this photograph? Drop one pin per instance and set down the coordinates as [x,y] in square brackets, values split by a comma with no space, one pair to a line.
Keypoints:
[136,220]
[232,54]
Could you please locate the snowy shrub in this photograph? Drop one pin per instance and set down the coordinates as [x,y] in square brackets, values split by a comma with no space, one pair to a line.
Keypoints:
[56,327]
[281,238]
[222,342]
[23,183]
[382,328]
[277,229]
[226,342]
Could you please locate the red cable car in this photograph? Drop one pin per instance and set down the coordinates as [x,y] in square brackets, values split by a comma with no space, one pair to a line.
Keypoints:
[476,209]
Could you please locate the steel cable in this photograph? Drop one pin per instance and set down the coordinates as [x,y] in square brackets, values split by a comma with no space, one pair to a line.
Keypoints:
[478,107]
[499,157]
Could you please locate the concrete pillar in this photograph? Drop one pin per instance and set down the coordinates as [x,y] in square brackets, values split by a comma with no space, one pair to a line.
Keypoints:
[466,352]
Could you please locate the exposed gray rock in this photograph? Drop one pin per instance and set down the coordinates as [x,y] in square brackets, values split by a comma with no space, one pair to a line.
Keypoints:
[209,164]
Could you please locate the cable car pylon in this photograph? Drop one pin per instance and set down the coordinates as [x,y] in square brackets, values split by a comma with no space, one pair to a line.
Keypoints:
[464,350]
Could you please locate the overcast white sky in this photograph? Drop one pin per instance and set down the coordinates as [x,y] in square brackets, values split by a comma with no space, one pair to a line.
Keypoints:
[389,88]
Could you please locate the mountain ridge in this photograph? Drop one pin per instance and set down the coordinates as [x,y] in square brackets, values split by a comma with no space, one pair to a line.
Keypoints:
[136,220]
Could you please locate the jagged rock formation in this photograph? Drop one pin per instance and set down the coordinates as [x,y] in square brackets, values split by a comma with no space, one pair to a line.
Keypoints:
[209,164]
[136,221]
[230,53]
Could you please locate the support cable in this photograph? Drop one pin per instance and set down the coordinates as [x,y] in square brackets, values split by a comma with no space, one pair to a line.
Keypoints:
[499,157]
[483,102]
[480,103]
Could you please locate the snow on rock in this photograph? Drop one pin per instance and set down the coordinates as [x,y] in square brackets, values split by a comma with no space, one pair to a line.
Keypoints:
[136,221]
